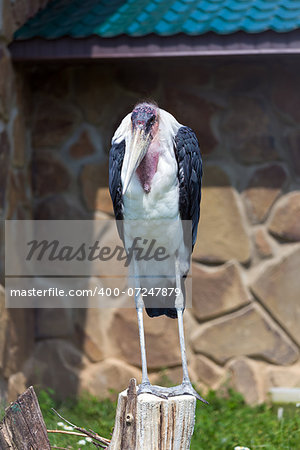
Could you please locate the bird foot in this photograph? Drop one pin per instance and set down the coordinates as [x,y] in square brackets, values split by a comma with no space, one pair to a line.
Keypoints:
[185,388]
[147,388]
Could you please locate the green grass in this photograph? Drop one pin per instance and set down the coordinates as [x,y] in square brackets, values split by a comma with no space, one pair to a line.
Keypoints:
[229,422]
[224,424]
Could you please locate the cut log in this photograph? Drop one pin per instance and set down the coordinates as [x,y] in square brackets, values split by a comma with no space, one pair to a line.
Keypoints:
[23,426]
[147,422]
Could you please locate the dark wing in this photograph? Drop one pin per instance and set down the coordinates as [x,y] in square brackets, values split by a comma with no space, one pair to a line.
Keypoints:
[116,157]
[189,161]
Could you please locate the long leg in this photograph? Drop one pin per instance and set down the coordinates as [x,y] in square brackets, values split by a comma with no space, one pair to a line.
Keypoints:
[185,374]
[139,307]
[145,386]
[186,386]
[179,305]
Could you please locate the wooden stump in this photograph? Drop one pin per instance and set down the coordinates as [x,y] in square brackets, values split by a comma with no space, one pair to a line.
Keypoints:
[147,422]
[23,426]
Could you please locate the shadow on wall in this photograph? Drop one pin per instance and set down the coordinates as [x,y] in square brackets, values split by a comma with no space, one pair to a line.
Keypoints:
[249,135]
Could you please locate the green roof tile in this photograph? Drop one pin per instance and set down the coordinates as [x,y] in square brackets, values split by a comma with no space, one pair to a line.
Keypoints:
[109,18]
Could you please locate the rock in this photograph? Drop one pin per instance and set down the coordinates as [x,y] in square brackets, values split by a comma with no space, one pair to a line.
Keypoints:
[283,376]
[21,11]
[57,82]
[217,291]
[222,234]
[247,128]
[118,281]
[284,94]
[293,145]
[112,271]
[99,97]
[53,323]
[55,121]
[56,364]
[103,201]
[94,181]
[277,287]
[198,115]
[106,379]
[161,334]
[263,189]
[18,192]
[247,332]
[82,147]
[173,377]
[3,391]
[59,207]
[19,340]
[167,377]
[262,243]
[23,212]
[92,327]
[16,386]
[285,219]
[207,371]
[49,175]
[89,345]
[4,163]
[6,84]
[7,23]
[3,327]
[246,379]
[19,140]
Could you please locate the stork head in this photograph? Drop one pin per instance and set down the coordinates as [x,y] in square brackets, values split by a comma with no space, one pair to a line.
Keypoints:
[144,124]
[144,119]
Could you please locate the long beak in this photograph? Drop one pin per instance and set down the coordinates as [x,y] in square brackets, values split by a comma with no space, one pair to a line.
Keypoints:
[138,149]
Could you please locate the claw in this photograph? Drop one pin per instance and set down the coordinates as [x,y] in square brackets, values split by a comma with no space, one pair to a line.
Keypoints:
[147,388]
[186,389]
[164,392]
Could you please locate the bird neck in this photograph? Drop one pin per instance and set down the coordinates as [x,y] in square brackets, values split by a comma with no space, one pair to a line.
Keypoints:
[148,166]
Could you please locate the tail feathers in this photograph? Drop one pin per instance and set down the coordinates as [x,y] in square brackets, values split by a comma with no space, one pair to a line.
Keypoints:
[163,305]
[156,312]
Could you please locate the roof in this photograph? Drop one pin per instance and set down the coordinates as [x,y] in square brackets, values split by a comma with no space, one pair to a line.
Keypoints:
[111,18]
[97,29]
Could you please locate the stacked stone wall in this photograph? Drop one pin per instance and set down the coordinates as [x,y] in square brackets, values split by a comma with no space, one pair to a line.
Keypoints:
[243,328]
[16,326]
[56,123]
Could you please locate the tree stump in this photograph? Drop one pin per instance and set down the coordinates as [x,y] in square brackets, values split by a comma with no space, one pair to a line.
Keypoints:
[23,426]
[147,422]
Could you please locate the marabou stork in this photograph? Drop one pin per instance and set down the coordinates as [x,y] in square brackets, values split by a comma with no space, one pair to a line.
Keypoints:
[155,171]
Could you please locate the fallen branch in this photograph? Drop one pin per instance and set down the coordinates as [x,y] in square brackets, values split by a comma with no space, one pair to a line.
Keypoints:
[99,439]
[75,433]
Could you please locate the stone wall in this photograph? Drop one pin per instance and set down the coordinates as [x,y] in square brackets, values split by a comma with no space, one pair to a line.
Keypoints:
[56,123]
[243,330]
[16,326]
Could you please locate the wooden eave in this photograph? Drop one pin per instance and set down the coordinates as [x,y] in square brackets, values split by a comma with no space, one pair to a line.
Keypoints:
[152,46]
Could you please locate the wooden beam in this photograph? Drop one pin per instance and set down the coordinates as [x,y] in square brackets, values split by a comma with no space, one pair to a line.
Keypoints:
[152,46]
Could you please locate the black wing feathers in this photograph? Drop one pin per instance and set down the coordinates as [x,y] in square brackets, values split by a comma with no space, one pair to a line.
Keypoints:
[116,157]
[189,161]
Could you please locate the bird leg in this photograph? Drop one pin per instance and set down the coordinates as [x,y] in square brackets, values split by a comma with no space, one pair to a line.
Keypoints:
[186,385]
[145,386]
[139,307]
